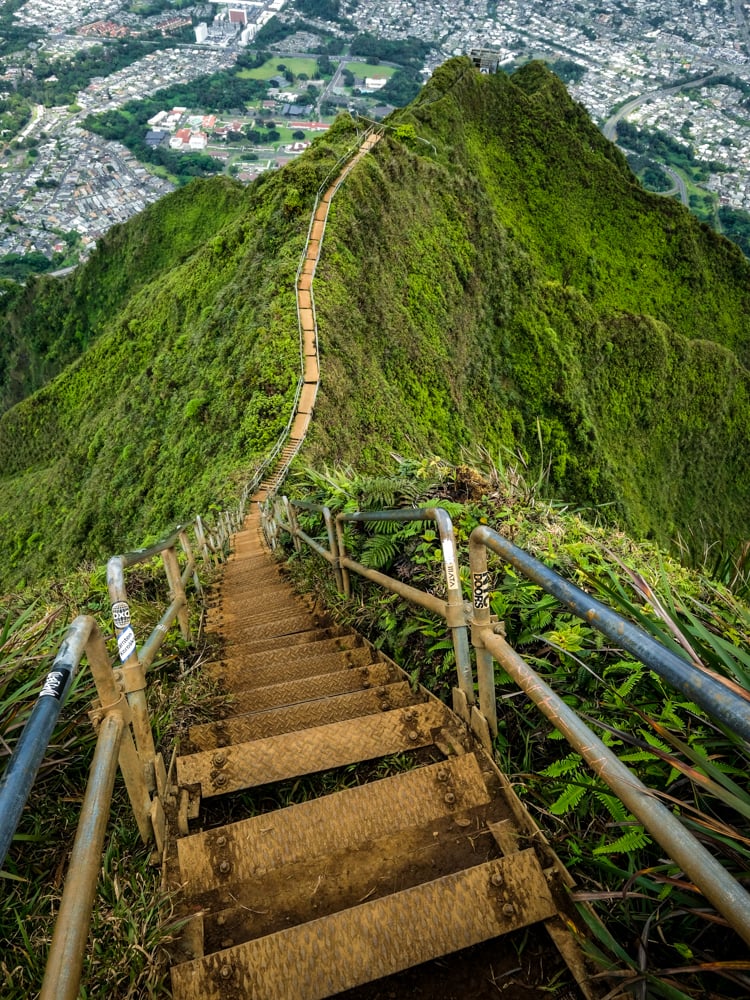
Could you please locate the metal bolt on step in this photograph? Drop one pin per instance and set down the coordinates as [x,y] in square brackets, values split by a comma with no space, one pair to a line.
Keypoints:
[219,760]
[221,841]
[221,920]
[220,779]
[509,909]
[450,798]
[225,867]
[496,879]
[442,774]
[226,971]
[413,735]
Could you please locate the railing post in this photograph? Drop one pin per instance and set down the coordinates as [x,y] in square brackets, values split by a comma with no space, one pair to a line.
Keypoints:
[62,976]
[480,589]
[341,546]
[188,550]
[292,516]
[200,534]
[111,697]
[333,545]
[131,672]
[176,590]
[456,616]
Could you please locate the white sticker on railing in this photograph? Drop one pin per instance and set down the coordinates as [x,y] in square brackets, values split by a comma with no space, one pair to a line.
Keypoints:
[120,614]
[54,684]
[126,643]
[449,558]
[481,584]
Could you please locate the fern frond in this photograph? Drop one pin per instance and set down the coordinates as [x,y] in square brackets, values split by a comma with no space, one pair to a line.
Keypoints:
[614,807]
[568,800]
[378,551]
[566,765]
[633,840]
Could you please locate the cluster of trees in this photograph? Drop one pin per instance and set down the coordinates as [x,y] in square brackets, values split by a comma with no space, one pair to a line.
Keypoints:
[568,70]
[15,112]
[735,224]
[18,267]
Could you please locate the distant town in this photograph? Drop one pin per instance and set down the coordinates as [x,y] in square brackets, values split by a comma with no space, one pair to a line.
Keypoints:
[98,118]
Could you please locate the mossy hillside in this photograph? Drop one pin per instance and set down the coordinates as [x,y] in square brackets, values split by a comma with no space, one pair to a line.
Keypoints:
[50,321]
[495,274]
[169,410]
[458,307]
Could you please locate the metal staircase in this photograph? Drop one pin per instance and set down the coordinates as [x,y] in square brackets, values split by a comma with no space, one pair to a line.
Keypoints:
[316,898]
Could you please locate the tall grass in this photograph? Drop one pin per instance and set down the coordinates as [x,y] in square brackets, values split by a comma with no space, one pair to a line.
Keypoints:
[132,922]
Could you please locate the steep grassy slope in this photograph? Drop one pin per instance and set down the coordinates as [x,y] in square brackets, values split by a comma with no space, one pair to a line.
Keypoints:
[47,324]
[492,275]
[190,379]
[500,277]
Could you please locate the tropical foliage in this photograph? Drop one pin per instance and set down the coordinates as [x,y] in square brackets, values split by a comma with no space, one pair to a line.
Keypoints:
[493,273]
[660,935]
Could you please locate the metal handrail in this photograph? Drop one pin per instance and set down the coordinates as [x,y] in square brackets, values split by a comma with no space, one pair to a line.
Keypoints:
[704,688]
[451,610]
[718,700]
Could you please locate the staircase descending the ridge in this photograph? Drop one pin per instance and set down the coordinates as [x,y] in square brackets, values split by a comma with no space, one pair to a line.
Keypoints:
[315,898]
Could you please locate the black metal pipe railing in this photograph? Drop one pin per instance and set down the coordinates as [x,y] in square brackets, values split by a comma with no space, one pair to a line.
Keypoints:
[24,764]
[707,690]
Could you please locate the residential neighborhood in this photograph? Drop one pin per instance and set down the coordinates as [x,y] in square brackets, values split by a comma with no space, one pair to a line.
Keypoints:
[57,178]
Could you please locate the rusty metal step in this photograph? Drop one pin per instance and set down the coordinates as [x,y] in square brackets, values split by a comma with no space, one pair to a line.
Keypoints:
[276,628]
[261,675]
[326,956]
[247,618]
[248,765]
[307,688]
[302,651]
[244,850]
[315,887]
[237,657]
[293,639]
[293,718]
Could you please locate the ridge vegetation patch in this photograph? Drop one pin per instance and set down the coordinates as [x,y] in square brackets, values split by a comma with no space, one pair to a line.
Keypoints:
[492,275]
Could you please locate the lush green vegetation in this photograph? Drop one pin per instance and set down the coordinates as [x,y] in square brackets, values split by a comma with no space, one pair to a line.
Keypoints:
[47,324]
[658,930]
[735,224]
[492,274]
[189,376]
[533,295]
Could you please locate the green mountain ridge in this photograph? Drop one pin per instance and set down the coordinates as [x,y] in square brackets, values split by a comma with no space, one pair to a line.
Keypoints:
[492,276]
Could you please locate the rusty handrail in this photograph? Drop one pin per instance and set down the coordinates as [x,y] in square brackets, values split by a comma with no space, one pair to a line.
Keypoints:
[716,884]
[451,610]
[114,745]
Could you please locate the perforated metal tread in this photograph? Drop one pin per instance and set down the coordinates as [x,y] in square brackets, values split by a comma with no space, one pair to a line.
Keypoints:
[277,642]
[293,718]
[285,625]
[315,887]
[260,675]
[248,765]
[308,688]
[311,829]
[377,938]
